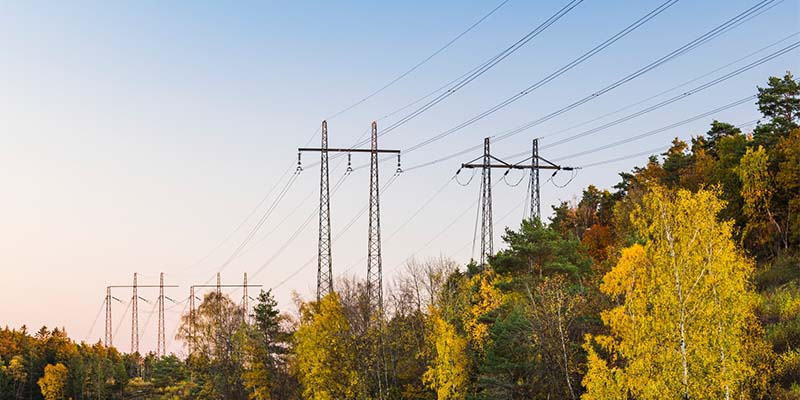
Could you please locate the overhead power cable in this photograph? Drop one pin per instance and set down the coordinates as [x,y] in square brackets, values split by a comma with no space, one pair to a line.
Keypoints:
[96,318]
[260,223]
[574,63]
[122,317]
[486,66]
[659,130]
[338,235]
[673,88]
[681,96]
[721,29]
[419,64]
[697,42]
[647,152]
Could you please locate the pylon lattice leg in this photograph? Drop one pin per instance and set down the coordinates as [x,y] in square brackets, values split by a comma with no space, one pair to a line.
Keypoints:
[486,205]
[324,260]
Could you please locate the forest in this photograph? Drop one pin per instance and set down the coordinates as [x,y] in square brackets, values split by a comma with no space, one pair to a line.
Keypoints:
[680,282]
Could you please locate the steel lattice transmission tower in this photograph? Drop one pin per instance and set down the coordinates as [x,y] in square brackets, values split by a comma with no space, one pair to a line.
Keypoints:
[161,348]
[486,188]
[245,303]
[218,290]
[536,207]
[374,261]
[135,315]
[109,330]
[487,234]
[324,259]
[135,310]
[324,264]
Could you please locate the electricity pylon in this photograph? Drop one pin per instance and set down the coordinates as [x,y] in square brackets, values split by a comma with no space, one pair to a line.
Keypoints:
[135,316]
[109,340]
[486,188]
[161,348]
[192,310]
[324,259]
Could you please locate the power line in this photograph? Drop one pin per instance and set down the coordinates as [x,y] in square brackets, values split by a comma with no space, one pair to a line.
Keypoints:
[484,67]
[647,152]
[674,87]
[574,63]
[260,222]
[297,232]
[697,42]
[419,64]
[721,29]
[350,224]
[662,129]
[96,318]
[683,95]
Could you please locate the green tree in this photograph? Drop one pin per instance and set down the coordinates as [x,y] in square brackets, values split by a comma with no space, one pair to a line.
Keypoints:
[266,376]
[780,103]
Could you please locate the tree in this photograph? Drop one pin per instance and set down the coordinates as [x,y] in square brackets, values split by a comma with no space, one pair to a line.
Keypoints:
[448,372]
[215,336]
[780,102]
[757,192]
[53,382]
[266,345]
[538,250]
[16,371]
[718,131]
[684,326]
[325,358]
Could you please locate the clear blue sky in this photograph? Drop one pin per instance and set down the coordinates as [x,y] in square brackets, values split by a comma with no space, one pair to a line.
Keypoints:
[136,136]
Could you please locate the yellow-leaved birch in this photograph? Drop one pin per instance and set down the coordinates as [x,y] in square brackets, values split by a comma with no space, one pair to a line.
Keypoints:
[684,327]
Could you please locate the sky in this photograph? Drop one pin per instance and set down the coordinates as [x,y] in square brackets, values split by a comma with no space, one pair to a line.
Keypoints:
[142,137]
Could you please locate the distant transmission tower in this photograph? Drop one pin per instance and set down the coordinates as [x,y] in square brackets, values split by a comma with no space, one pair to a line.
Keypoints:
[161,348]
[135,316]
[245,298]
[134,311]
[109,329]
[192,297]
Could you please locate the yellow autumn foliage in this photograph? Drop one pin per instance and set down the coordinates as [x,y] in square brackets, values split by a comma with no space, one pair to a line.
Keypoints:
[684,326]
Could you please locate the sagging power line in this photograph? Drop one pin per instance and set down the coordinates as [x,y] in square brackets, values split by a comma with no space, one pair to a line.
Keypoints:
[490,162]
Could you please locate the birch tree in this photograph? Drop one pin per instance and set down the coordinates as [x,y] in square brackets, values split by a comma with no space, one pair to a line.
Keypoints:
[684,327]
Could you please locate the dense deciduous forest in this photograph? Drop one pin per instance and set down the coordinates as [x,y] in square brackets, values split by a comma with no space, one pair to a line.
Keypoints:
[681,282]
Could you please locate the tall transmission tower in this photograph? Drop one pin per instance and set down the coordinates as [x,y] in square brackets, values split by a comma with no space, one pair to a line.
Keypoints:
[135,315]
[486,188]
[324,259]
[324,262]
[374,260]
[135,318]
